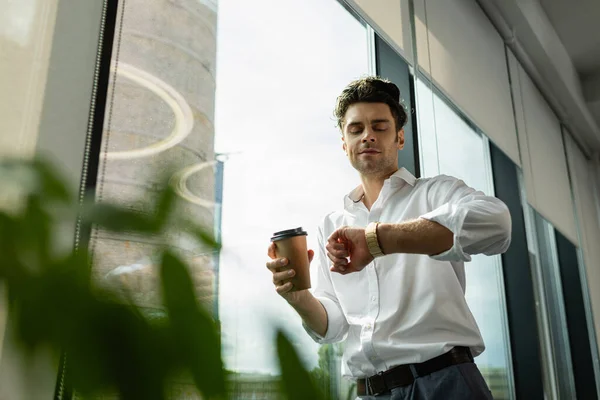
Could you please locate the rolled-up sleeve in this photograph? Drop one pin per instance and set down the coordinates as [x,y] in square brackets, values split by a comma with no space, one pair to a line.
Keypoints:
[481,224]
[337,326]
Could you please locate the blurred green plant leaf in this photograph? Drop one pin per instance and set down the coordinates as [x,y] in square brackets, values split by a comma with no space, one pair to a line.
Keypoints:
[52,183]
[200,234]
[126,351]
[296,381]
[166,202]
[37,177]
[119,219]
[195,333]
[110,345]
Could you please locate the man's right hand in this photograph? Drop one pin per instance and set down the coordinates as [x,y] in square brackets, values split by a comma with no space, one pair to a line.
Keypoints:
[281,279]
[308,307]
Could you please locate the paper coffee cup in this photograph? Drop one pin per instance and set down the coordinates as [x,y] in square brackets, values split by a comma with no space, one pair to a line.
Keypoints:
[291,244]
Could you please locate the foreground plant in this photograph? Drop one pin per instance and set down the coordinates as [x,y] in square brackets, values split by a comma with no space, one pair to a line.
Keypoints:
[109,344]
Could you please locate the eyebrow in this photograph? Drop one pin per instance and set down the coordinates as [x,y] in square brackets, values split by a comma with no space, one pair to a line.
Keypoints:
[378,121]
[375,121]
[350,124]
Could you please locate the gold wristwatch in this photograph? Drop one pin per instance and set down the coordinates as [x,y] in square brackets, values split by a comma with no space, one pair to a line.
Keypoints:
[372,241]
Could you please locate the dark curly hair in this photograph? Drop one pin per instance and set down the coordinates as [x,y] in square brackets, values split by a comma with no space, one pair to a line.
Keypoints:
[371,89]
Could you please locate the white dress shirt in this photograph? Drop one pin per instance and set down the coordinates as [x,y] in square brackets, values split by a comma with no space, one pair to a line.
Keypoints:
[408,308]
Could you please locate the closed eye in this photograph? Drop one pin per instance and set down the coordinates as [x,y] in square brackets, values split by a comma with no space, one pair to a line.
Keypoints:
[381,127]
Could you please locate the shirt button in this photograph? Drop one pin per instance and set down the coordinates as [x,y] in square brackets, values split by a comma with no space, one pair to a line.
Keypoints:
[368,326]
[373,298]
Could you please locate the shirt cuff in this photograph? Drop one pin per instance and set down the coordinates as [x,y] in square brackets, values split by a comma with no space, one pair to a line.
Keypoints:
[452,218]
[337,326]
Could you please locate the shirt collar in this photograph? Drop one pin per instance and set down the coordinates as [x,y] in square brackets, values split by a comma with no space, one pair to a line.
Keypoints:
[402,175]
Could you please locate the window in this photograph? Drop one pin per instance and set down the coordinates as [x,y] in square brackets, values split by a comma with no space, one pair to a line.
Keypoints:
[555,322]
[279,74]
[581,347]
[451,146]
[519,284]
[158,124]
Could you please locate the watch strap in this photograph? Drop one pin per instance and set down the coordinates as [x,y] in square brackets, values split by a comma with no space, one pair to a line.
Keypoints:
[372,240]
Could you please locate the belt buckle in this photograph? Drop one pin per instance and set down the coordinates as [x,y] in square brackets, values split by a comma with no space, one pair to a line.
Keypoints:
[379,386]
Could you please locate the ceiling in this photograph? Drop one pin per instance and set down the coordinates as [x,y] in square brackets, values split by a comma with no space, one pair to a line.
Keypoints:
[576,23]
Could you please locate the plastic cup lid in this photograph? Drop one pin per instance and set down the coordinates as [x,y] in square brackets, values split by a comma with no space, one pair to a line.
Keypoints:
[288,234]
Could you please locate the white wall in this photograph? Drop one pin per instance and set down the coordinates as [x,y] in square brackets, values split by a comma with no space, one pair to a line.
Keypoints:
[47,57]
[543,155]
[459,49]
[584,188]
[391,19]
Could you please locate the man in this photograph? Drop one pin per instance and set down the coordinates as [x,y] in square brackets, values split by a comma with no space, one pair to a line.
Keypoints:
[390,274]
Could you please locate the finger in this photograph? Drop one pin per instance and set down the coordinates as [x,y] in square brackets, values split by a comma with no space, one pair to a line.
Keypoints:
[279,278]
[311,255]
[340,265]
[338,269]
[333,247]
[334,238]
[271,251]
[341,271]
[337,260]
[277,263]
[343,253]
[284,288]
[339,246]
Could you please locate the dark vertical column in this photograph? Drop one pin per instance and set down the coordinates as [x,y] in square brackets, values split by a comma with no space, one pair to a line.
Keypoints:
[98,113]
[579,340]
[63,389]
[391,65]
[520,302]
[219,174]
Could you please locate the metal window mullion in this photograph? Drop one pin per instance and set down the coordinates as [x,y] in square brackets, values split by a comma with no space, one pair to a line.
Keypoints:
[587,303]
[547,352]
[499,273]
[581,265]
[557,291]
[372,56]
[63,391]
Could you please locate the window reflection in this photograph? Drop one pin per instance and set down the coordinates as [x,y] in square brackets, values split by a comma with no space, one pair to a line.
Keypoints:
[450,146]
[285,168]
[158,125]
[553,294]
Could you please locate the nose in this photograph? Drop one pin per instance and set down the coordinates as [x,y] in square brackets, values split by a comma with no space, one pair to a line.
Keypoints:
[369,135]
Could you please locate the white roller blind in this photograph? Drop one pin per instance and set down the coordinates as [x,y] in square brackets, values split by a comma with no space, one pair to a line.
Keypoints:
[582,178]
[544,162]
[464,55]
[48,53]
[391,20]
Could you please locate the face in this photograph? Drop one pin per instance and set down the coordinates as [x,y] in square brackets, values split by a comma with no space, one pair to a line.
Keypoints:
[371,140]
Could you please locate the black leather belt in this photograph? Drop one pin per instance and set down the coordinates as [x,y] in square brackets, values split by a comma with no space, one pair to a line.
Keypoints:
[402,375]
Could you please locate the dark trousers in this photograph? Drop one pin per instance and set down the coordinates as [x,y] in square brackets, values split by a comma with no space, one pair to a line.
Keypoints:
[457,382]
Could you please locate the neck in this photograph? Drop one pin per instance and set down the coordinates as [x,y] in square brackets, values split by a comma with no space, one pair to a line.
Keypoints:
[372,187]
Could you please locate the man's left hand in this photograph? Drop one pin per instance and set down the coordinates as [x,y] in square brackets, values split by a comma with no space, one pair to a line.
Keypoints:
[348,251]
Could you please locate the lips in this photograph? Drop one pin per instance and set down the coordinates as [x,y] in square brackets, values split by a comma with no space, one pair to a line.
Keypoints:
[369,151]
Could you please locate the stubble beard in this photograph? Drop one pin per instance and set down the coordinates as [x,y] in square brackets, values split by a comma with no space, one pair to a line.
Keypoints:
[381,168]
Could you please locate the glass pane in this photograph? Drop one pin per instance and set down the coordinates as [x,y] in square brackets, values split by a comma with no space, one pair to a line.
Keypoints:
[159,125]
[428,145]
[285,165]
[451,147]
[553,293]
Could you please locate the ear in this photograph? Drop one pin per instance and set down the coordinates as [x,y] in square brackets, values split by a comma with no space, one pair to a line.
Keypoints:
[401,139]
[343,144]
